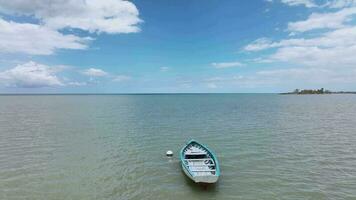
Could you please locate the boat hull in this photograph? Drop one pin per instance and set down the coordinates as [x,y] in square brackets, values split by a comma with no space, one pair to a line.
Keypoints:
[200,178]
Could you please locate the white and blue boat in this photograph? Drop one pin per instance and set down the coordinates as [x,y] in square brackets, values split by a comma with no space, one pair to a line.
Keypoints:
[199,163]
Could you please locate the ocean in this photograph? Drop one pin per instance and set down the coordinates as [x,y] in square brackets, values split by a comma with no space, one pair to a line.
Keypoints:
[87,147]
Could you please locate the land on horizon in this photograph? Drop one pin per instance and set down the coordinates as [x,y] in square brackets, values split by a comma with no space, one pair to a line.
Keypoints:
[317,91]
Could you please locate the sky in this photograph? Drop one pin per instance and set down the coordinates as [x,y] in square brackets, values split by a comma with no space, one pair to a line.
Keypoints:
[176,46]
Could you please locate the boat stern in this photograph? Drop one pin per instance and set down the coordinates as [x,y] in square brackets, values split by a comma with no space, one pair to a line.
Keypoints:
[205,179]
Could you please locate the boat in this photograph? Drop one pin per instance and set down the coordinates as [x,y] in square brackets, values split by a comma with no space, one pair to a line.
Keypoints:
[199,163]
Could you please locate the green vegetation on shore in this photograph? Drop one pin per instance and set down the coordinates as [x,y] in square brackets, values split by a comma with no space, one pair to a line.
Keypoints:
[317,91]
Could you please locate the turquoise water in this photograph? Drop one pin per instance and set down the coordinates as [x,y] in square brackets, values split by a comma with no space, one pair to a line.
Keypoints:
[113,146]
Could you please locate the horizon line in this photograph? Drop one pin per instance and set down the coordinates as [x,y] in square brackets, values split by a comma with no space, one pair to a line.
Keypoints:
[138,93]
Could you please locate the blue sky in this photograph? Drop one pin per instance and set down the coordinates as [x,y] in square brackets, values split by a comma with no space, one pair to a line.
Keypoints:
[160,46]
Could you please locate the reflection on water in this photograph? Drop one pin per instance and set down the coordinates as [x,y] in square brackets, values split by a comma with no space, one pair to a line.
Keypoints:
[113,146]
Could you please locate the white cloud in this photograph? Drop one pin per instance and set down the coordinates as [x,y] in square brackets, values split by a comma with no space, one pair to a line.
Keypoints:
[286,78]
[212,85]
[164,69]
[110,16]
[313,4]
[77,84]
[223,65]
[121,78]
[340,3]
[338,38]
[294,72]
[93,72]
[215,79]
[238,81]
[308,76]
[259,44]
[35,39]
[331,49]
[318,57]
[30,75]
[331,20]
[35,75]
[325,57]
[44,37]
[306,3]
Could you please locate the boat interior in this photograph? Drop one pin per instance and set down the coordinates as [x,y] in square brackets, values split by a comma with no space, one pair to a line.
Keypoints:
[199,161]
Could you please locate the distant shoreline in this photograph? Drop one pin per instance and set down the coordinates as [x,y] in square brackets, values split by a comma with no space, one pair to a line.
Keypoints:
[320,91]
[291,93]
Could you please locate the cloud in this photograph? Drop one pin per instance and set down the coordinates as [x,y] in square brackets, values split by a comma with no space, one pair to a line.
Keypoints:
[327,56]
[306,3]
[320,58]
[215,79]
[237,81]
[340,3]
[308,76]
[93,72]
[109,16]
[259,44]
[77,84]
[223,65]
[30,75]
[121,78]
[284,79]
[35,39]
[212,85]
[330,20]
[312,4]
[35,75]
[164,69]
[331,49]
[294,73]
[341,37]
[51,16]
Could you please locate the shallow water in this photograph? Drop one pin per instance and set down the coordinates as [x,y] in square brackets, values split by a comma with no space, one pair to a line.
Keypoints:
[113,146]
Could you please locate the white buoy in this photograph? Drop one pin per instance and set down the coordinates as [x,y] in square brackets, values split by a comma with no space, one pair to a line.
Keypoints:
[169,153]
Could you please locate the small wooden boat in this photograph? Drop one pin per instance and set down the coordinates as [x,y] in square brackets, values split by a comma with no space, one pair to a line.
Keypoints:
[199,163]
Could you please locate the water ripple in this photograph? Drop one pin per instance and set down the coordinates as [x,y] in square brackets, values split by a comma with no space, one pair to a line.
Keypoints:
[112,147]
